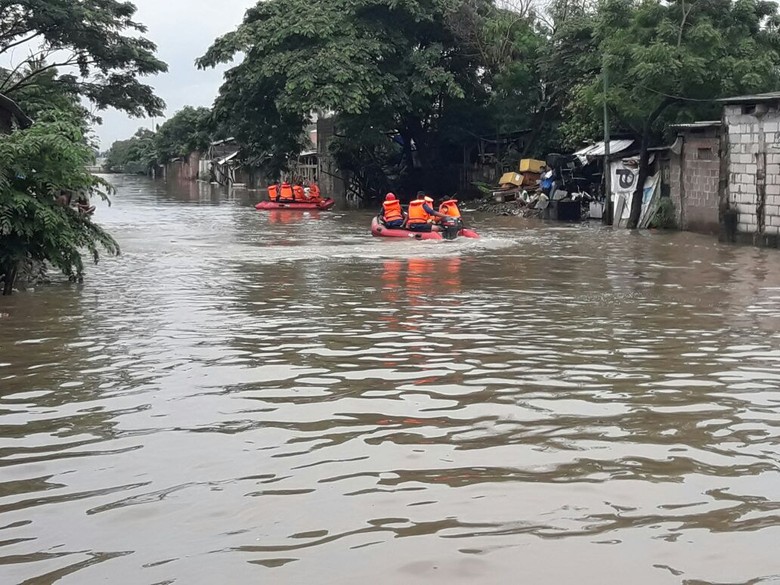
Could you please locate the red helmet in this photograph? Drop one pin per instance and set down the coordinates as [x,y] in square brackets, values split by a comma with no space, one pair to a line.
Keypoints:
[389,197]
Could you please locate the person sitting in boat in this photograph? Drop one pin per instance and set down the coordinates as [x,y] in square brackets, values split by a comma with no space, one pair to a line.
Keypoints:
[273,192]
[422,214]
[286,193]
[391,213]
[314,192]
[449,207]
[298,194]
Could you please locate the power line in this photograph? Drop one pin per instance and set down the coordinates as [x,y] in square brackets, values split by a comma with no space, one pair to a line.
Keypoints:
[677,97]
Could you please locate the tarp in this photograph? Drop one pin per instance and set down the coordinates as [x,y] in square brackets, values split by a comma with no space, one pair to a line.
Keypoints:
[615,147]
[624,177]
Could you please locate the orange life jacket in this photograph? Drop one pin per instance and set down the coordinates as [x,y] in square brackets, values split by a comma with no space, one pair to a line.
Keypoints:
[314,191]
[392,210]
[298,193]
[273,192]
[417,214]
[450,207]
[286,192]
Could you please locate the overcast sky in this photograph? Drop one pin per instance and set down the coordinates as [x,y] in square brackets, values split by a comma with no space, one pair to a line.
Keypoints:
[182,30]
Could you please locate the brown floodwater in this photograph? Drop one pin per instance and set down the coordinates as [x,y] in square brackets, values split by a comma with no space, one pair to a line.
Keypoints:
[248,397]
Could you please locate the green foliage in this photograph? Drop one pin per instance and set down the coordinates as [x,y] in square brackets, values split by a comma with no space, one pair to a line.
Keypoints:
[393,66]
[36,166]
[675,58]
[188,130]
[86,39]
[137,155]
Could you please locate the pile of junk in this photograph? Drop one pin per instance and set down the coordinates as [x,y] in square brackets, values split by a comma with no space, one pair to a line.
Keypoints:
[564,187]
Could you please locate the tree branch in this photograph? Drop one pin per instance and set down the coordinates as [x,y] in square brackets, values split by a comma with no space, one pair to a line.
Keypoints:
[686,13]
[14,108]
[26,80]
[19,42]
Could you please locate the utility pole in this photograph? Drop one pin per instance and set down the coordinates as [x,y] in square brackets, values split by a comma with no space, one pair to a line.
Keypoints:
[607,216]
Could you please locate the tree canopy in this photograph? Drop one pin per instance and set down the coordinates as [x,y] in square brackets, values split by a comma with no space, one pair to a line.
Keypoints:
[75,52]
[95,45]
[190,129]
[187,130]
[38,166]
[669,61]
[137,155]
[410,81]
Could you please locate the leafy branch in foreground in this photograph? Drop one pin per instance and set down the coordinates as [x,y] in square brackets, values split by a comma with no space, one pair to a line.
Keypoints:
[40,169]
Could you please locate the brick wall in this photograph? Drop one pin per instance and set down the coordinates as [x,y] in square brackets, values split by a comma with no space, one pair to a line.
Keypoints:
[754,170]
[694,177]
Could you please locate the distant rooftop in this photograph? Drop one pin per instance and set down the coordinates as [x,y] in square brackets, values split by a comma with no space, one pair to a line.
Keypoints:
[773,96]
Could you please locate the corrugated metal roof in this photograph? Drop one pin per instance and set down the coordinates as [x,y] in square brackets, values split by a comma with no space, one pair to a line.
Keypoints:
[752,99]
[615,146]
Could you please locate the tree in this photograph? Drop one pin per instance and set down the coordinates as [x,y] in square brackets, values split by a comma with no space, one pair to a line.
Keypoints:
[393,66]
[668,61]
[38,165]
[187,130]
[136,155]
[84,39]
[507,42]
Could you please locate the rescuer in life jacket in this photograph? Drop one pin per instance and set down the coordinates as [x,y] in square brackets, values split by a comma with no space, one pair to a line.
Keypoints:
[273,192]
[314,192]
[298,193]
[422,214]
[449,207]
[391,213]
[286,193]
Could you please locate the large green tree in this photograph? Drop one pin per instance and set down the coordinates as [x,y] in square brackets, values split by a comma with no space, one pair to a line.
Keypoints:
[136,155]
[394,66]
[187,130]
[95,45]
[668,61]
[37,166]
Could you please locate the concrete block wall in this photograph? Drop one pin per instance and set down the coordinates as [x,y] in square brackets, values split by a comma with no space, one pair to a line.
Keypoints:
[753,146]
[694,179]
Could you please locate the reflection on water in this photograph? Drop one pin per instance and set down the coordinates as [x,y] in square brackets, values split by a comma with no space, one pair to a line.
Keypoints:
[246,397]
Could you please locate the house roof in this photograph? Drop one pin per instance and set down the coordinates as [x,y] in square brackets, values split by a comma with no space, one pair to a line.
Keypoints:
[773,96]
[615,146]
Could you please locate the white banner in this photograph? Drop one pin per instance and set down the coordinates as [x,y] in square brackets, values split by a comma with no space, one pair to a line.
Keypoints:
[624,177]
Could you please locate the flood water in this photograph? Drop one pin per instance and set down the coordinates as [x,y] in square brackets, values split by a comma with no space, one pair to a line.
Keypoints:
[248,397]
